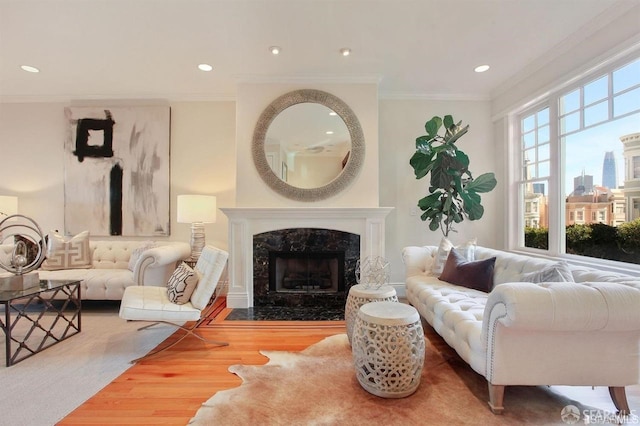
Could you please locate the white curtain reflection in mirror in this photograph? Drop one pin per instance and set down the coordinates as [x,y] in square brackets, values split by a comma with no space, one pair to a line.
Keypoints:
[307,145]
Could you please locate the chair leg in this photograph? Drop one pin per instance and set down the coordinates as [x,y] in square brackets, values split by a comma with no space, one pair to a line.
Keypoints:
[496,396]
[188,331]
[619,398]
[148,326]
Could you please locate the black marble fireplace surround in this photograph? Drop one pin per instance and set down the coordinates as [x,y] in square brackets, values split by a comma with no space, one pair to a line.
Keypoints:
[313,242]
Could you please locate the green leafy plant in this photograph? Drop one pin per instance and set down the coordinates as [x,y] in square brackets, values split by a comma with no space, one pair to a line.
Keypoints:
[453,192]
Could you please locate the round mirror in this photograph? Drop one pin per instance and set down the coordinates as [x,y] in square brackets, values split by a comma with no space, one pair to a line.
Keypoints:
[308,145]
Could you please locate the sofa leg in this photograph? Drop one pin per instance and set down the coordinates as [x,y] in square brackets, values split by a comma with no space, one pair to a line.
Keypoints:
[496,396]
[619,398]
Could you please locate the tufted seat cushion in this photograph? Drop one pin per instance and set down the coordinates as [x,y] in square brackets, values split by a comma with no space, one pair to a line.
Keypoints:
[454,312]
[97,284]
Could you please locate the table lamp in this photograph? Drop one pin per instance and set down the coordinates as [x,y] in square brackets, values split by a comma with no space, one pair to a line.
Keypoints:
[196,210]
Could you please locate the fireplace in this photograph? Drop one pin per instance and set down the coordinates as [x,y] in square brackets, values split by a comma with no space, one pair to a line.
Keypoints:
[249,243]
[304,267]
[306,272]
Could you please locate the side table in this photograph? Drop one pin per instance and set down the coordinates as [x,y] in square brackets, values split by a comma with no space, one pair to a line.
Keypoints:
[388,349]
[41,322]
[359,295]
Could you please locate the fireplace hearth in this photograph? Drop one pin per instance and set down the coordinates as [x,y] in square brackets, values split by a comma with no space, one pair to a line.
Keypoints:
[304,267]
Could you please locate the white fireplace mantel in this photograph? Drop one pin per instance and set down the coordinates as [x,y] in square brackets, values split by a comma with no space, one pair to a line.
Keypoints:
[244,223]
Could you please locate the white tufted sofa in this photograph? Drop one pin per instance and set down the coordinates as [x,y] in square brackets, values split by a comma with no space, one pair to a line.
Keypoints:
[109,275]
[585,333]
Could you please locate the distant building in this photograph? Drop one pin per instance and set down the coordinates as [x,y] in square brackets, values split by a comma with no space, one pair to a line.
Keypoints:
[538,188]
[582,185]
[631,190]
[595,207]
[609,171]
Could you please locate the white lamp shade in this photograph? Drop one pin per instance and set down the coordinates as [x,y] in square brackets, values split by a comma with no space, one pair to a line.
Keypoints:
[8,205]
[196,208]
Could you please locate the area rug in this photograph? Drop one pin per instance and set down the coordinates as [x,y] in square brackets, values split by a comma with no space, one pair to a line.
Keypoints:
[318,387]
[43,389]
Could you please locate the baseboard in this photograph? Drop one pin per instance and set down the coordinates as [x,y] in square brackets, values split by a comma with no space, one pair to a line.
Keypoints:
[400,290]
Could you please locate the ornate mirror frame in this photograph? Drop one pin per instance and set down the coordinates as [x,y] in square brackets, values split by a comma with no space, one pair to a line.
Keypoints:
[356,156]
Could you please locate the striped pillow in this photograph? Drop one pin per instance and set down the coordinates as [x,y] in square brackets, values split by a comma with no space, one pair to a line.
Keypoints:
[181,284]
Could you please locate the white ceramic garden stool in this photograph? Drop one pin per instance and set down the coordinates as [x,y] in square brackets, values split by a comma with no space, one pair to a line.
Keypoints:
[388,349]
[359,295]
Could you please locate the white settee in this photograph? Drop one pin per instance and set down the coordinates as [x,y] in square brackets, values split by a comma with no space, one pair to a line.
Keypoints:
[110,273]
[585,333]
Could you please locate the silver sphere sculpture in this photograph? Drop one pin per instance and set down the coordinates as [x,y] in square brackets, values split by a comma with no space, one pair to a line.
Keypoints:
[18,225]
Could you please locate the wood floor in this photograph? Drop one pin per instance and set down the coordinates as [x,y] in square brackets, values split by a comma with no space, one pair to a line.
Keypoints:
[170,387]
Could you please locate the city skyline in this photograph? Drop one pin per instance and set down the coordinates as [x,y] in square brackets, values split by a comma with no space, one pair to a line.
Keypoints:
[585,150]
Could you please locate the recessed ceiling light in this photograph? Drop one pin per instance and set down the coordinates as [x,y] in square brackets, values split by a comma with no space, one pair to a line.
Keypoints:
[205,67]
[345,51]
[275,50]
[481,68]
[333,113]
[329,132]
[29,68]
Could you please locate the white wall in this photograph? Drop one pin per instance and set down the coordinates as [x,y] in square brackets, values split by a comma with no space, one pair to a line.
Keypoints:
[202,149]
[203,161]
[401,122]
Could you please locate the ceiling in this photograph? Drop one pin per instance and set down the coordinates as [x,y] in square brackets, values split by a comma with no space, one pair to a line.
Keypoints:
[140,49]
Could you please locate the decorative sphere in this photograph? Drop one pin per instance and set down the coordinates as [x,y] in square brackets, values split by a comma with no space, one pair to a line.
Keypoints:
[372,272]
[19,260]
[18,225]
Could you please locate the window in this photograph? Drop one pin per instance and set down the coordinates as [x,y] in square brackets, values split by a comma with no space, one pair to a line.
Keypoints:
[580,143]
[635,167]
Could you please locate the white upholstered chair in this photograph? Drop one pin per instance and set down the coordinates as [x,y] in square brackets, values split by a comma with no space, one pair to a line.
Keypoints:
[152,304]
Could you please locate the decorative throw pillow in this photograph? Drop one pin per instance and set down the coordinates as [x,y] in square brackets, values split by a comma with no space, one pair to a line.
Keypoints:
[468,249]
[477,274]
[558,272]
[181,284]
[137,252]
[73,253]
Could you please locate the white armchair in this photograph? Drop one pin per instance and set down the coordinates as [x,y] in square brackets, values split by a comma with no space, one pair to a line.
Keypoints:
[152,304]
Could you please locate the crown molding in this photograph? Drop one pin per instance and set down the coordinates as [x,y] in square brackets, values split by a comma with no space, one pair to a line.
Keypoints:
[119,98]
[403,96]
[581,36]
[309,79]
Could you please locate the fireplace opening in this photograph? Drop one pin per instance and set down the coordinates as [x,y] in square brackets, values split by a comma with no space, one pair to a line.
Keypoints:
[306,272]
[307,254]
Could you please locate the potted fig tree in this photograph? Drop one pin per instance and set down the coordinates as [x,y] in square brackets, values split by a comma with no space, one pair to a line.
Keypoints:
[454,194]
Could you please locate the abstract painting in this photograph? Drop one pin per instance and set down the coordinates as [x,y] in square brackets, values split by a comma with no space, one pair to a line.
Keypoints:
[116,170]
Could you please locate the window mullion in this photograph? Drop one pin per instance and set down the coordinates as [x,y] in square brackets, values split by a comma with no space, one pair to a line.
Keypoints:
[556,203]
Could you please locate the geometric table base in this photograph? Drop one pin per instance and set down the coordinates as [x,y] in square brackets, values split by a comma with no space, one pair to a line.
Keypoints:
[41,323]
[388,349]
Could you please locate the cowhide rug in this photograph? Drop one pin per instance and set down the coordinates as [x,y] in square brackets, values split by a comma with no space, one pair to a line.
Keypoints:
[318,387]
